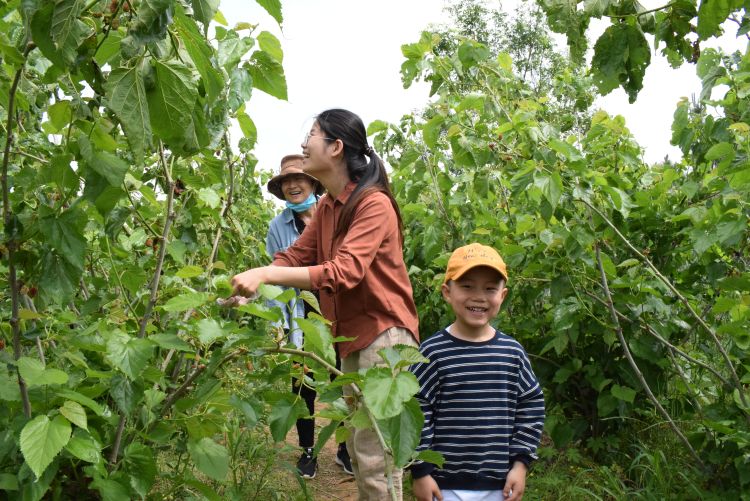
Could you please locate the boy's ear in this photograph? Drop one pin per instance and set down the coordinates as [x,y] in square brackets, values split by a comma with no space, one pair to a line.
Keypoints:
[503,293]
[445,290]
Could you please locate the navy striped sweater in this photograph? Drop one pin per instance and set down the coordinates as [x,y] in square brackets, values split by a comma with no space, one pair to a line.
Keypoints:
[483,409]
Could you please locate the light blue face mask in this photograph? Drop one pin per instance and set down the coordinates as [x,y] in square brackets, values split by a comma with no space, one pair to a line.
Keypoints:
[303,206]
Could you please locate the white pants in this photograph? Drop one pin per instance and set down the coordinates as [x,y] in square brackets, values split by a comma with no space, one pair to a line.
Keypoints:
[461,495]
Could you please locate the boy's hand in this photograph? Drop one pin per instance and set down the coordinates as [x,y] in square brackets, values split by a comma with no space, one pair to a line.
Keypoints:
[515,482]
[426,489]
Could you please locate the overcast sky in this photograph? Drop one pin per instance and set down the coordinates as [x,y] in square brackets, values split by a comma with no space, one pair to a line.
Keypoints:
[347,54]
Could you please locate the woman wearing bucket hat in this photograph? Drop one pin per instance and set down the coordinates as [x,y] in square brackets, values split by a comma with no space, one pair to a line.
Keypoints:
[352,253]
[300,192]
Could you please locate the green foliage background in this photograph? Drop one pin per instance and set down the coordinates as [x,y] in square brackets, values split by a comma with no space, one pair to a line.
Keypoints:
[124,208]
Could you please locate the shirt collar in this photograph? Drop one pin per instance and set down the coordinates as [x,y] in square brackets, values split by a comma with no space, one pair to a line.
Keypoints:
[288,215]
[343,196]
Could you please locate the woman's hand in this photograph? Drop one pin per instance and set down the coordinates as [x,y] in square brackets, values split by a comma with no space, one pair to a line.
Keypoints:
[247,283]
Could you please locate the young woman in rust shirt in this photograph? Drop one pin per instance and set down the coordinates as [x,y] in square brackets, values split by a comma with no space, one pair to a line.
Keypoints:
[351,252]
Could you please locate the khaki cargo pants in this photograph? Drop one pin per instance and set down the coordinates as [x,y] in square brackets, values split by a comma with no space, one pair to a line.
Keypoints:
[368,460]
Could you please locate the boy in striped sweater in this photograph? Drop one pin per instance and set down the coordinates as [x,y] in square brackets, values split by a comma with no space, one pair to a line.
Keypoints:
[482,403]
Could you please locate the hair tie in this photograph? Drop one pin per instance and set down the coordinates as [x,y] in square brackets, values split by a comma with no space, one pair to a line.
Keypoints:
[368,150]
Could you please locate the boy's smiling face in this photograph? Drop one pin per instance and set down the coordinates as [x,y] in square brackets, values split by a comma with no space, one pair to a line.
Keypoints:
[476,298]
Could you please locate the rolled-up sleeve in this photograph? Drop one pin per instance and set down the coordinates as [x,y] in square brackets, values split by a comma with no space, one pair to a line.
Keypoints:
[374,220]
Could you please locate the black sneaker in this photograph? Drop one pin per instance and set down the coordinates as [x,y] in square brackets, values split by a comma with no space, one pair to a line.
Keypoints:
[307,466]
[342,459]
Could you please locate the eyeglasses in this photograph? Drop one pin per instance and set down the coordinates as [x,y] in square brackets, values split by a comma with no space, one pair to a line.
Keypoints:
[308,136]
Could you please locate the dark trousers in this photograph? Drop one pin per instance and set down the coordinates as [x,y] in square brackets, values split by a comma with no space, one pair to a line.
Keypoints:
[306,426]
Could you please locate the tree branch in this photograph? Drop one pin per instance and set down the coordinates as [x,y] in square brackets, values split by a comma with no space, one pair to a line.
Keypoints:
[666,343]
[358,393]
[163,239]
[12,242]
[227,202]
[634,366]
[683,300]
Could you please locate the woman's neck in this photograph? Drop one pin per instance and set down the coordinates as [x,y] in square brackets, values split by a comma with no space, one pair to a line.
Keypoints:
[307,215]
[335,180]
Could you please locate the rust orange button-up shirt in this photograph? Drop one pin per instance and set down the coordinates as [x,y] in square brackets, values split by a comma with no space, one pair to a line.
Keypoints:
[361,276]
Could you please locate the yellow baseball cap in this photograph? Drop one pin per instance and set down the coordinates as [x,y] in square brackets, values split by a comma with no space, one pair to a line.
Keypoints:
[470,256]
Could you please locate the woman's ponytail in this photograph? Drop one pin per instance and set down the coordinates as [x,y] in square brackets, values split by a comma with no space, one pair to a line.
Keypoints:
[364,166]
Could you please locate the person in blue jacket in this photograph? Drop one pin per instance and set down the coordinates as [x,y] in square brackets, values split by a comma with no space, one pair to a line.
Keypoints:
[300,192]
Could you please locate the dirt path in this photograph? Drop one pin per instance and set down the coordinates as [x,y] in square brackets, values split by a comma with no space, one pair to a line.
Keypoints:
[330,483]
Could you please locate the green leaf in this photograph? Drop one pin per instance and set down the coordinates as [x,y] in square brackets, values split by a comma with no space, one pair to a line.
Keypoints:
[151,23]
[9,390]
[170,342]
[551,187]
[310,299]
[130,355]
[35,374]
[720,151]
[204,11]
[270,44]
[284,414]
[261,311]
[210,458]
[65,234]
[711,14]
[247,126]
[109,48]
[108,165]
[60,172]
[209,330]
[125,393]
[209,197]
[84,447]
[401,356]
[75,414]
[60,114]
[59,278]
[189,300]
[268,74]
[270,292]
[232,48]
[471,102]
[505,61]
[318,339]
[139,462]
[81,399]
[171,102]
[201,53]
[596,8]
[431,457]
[431,130]
[8,482]
[41,24]
[190,271]
[273,7]
[240,89]
[126,95]
[385,394]
[252,410]
[404,432]
[623,393]
[68,32]
[621,56]
[111,490]
[42,440]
